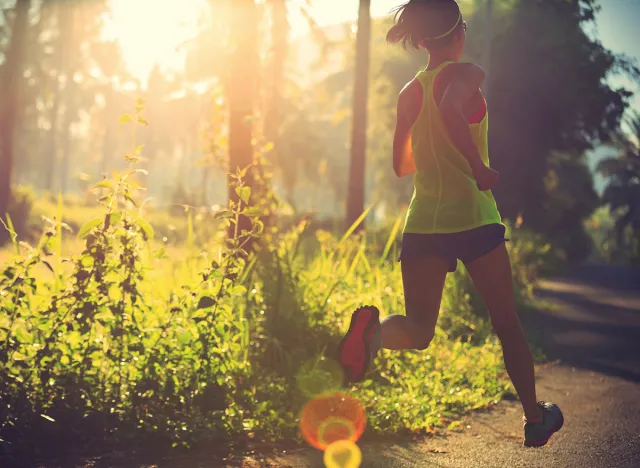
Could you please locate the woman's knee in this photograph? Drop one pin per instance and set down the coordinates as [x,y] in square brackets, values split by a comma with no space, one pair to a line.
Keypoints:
[422,336]
[507,326]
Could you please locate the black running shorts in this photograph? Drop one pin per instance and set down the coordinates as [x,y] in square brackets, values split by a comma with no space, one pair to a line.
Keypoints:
[466,246]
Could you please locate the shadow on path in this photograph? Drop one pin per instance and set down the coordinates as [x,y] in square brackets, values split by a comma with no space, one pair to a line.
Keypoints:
[594,322]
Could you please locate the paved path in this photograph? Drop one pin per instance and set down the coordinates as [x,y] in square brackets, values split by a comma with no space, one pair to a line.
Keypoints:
[593,328]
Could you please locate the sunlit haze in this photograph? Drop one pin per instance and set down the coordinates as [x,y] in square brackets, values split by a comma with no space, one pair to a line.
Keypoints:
[147,41]
[150,31]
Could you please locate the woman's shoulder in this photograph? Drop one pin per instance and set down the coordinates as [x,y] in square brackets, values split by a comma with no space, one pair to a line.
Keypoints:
[412,90]
[464,70]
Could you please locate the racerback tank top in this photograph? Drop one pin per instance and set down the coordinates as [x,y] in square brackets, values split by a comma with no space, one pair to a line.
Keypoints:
[446,198]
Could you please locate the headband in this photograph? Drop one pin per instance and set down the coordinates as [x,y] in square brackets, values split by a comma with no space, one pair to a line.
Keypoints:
[448,32]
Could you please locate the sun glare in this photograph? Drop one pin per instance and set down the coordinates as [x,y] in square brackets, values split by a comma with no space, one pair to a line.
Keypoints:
[149,31]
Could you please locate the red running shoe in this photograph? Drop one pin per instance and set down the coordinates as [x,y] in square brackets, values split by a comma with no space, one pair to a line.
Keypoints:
[362,341]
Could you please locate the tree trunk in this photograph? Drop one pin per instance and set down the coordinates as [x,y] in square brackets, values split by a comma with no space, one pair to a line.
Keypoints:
[107,139]
[66,25]
[486,55]
[10,105]
[241,88]
[51,150]
[355,192]
[277,59]
[65,150]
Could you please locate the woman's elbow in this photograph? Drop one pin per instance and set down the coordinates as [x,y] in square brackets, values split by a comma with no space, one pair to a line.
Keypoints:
[396,164]
[401,171]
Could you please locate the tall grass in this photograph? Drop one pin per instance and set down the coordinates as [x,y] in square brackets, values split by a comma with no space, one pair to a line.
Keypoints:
[127,342]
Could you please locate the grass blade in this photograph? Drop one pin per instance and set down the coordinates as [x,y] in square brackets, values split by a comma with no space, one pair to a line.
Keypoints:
[58,259]
[12,232]
[391,240]
[355,225]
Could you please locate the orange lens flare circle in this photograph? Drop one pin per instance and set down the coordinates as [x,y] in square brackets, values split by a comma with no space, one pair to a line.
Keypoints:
[330,418]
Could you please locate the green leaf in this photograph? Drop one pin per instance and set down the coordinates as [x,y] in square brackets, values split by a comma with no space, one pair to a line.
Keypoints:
[143,121]
[22,335]
[252,211]
[238,290]
[184,338]
[224,214]
[130,198]
[244,193]
[114,218]
[259,226]
[104,183]
[205,302]
[126,118]
[146,229]
[48,265]
[89,226]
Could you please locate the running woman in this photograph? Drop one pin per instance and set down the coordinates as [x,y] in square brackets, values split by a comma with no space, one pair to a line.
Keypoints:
[441,137]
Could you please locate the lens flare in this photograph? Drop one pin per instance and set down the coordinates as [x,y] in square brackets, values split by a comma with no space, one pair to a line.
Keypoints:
[332,417]
[319,376]
[342,454]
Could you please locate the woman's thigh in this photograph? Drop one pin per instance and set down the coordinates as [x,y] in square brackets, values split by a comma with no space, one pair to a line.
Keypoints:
[423,278]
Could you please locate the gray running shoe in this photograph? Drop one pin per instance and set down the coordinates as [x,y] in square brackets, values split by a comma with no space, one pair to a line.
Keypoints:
[537,434]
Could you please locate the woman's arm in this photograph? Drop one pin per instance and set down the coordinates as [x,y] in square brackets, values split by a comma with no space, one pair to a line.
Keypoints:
[464,81]
[407,113]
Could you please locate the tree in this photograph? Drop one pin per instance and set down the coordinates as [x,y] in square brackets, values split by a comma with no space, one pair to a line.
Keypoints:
[241,90]
[548,94]
[356,188]
[70,29]
[486,54]
[10,100]
[622,193]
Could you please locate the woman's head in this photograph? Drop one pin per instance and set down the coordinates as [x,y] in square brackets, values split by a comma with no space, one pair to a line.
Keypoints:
[436,25]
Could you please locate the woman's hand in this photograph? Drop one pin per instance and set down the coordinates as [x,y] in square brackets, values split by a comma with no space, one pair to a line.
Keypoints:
[485,177]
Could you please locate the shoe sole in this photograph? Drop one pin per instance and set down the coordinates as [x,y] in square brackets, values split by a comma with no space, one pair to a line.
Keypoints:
[553,430]
[355,343]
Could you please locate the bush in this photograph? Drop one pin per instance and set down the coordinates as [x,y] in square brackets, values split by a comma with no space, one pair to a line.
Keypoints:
[121,345]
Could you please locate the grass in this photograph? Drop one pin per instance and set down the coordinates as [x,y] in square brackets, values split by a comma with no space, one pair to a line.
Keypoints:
[116,335]
[140,366]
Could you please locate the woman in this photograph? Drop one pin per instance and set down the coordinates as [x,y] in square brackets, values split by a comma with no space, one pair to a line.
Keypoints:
[441,137]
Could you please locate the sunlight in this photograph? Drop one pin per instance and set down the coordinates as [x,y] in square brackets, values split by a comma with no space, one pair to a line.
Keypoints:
[150,31]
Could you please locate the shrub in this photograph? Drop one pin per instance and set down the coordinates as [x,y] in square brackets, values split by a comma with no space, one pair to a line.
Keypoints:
[121,344]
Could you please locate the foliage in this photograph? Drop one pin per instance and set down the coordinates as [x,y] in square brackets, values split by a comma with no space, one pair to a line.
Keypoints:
[122,344]
[544,61]
[622,193]
[162,328]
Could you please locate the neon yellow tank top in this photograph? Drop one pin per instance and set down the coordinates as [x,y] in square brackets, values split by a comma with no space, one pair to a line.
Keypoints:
[446,198]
